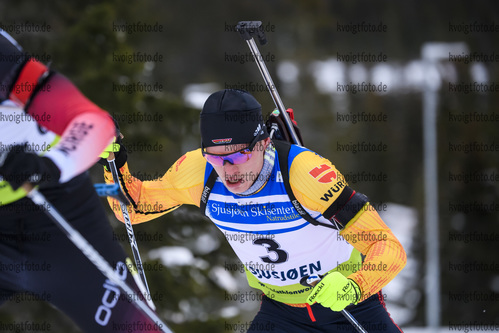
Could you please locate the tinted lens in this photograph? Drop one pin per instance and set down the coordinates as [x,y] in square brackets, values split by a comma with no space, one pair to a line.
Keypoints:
[236,158]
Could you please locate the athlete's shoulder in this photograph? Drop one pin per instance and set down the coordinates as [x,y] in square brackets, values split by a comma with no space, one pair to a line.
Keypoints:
[308,163]
[315,180]
[188,170]
[191,160]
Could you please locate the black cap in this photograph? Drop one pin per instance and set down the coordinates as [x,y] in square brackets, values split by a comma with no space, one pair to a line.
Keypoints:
[231,116]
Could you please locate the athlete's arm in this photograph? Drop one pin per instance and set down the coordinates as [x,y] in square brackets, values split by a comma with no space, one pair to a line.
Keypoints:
[56,104]
[319,186]
[181,184]
[385,256]
[85,129]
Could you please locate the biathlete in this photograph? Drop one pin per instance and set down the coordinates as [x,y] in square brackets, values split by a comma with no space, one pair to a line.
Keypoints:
[239,178]
[50,134]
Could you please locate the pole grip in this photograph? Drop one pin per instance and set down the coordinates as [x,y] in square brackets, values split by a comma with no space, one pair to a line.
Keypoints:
[250,29]
[312,280]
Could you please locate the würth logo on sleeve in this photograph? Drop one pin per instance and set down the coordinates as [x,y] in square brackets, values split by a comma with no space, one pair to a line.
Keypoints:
[320,170]
[334,189]
[221,141]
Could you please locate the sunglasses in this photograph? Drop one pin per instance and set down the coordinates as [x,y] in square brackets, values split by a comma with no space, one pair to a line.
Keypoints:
[239,157]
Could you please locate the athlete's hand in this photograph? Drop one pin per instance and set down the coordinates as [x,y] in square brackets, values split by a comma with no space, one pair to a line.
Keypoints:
[335,291]
[115,150]
[19,166]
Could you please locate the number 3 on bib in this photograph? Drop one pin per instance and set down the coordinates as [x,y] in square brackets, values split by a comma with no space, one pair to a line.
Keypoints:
[272,247]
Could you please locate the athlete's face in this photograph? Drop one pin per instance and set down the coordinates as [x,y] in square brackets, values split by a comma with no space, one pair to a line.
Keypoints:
[239,177]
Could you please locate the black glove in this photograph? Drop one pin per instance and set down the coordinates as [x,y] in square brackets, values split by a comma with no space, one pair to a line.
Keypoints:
[120,156]
[21,166]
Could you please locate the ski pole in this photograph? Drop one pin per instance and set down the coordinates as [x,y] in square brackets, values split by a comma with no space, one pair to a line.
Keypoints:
[249,29]
[130,233]
[311,281]
[92,254]
[114,191]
